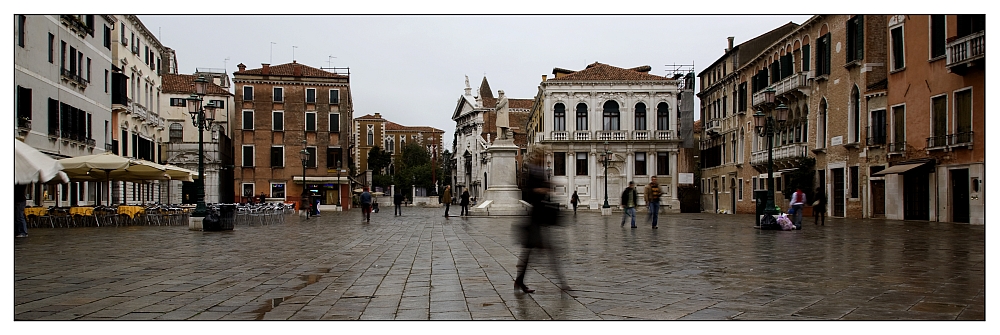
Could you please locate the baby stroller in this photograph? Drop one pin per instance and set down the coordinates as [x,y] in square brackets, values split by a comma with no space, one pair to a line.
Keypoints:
[375,206]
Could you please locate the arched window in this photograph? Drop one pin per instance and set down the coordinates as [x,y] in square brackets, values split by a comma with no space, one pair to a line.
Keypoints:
[559,118]
[176,133]
[611,119]
[855,115]
[581,116]
[821,125]
[640,116]
[662,116]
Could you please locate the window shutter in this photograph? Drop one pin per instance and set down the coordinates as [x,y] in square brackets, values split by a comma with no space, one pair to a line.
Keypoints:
[805,57]
[859,40]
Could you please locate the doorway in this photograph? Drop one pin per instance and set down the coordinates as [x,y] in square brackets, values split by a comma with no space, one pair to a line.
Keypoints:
[916,200]
[732,196]
[960,195]
[838,192]
[716,192]
[878,199]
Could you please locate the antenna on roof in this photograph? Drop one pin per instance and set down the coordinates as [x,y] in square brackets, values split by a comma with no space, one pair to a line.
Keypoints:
[329,60]
[293,52]
[679,69]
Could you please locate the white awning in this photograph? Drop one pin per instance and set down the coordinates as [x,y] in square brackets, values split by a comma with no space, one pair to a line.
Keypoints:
[897,169]
[326,179]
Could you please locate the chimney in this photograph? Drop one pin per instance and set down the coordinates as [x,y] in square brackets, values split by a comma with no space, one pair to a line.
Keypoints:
[378,116]
[241,67]
[544,77]
[730,43]
[296,69]
[265,69]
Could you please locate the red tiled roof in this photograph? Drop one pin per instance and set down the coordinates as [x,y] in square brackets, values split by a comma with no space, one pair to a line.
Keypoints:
[389,125]
[598,71]
[288,69]
[696,127]
[368,117]
[184,84]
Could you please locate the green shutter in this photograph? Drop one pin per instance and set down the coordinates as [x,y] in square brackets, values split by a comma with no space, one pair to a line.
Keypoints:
[805,57]
[859,40]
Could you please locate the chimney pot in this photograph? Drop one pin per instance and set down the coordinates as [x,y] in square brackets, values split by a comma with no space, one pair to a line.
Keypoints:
[730,43]
[265,68]
[241,67]
[544,77]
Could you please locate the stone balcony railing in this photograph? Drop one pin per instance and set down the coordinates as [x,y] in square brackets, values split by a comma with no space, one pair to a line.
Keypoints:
[140,112]
[713,126]
[582,135]
[611,135]
[790,151]
[966,49]
[793,83]
[666,134]
[640,135]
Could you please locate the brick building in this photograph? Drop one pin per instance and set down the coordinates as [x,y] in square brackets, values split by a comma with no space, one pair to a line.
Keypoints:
[282,110]
[375,131]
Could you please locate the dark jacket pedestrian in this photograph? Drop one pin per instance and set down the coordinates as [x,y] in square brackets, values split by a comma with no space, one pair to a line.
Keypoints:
[398,201]
[20,202]
[653,193]
[262,198]
[575,201]
[366,205]
[446,199]
[819,207]
[533,233]
[465,202]
[629,200]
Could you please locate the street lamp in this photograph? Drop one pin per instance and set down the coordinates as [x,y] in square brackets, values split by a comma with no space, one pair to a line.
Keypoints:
[607,159]
[304,156]
[766,125]
[548,168]
[202,117]
[339,184]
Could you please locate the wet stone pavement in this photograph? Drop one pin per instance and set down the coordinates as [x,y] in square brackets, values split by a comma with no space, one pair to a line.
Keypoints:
[422,266]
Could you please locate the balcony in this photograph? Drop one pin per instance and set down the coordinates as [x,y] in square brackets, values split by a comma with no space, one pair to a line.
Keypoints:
[781,154]
[640,135]
[139,112]
[713,126]
[798,82]
[965,50]
[560,135]
[960,139]
[74,78]
[666,135]
[23,124]
[896,148]
[611,135]
[581,135]
[937,142]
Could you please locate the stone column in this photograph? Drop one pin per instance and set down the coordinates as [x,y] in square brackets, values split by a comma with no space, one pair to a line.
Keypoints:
[595,203]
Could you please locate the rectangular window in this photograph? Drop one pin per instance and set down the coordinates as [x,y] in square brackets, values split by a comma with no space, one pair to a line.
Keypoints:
[640,117]
[310,121]
[277,156]
[640,163]
[106,75]
[823,55]
[739,186]
[88,69]
[855,38]
[581,164]
[247,93]
[662,164]
[334,97]
[178,102]
[939,121]
[333,158]
[311,162]
[279,94]
[559,163]
[938,42]
[805,58]
[107,37]
[854,181]
[898,127]
[581,117]
[23,105]
[277,121]
[218,103]
[334,122]
[52,48]
[72,60]
[248,120]
[248,156]
[277,190]
[877,131]
[21,21]
[310,95]
[963,116]
[559,118]
[896,36]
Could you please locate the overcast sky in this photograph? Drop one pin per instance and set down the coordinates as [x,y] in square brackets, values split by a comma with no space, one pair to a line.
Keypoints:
[412,69]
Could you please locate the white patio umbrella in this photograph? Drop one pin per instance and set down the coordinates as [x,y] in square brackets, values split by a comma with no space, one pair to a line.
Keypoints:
[33,166]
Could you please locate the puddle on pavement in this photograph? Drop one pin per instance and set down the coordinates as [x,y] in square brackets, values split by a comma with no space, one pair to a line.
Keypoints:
[268,307]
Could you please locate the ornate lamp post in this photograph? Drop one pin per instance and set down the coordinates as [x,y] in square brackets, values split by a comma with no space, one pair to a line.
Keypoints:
[339,185]
[607,159]
[766,125]
[202,118]
[304,156]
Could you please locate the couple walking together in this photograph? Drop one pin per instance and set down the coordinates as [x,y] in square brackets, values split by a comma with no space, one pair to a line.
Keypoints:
[630,199]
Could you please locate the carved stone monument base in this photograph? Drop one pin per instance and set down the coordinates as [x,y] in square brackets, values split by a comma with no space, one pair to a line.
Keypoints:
[502,197]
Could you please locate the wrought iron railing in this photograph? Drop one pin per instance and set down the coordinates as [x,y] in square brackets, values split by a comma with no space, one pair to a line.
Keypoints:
[937,141]
[896,147]
[960,138]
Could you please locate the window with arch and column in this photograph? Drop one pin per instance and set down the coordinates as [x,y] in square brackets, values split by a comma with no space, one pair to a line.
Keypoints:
[611,116]
[176,133]
[662,116]
[581,116]
[821,124]
[854,122]
[559,117]
[640,116]
[371,135]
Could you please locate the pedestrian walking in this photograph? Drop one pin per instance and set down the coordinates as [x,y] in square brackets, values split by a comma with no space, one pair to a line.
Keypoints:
[652,194]
[366,205]
[446,199]
[629,199]
[534,231]
[20,202]
[575,200]
[819,207]
[465,203]
[316,207]
[398,201]
[262,197]
[798,200]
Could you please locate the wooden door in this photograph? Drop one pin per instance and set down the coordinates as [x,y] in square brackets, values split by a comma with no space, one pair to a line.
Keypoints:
[838,192]
[878,198]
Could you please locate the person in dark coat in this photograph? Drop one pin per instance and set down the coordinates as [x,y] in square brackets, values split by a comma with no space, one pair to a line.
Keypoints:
[398,201]
[446,199]
[629,200]
[575,200]
[20,202]
[366,205]
[262,198]
[533,231]
[819,209]
[465,203]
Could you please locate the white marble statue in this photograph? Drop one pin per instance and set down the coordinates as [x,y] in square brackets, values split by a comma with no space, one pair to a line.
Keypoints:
[503,118]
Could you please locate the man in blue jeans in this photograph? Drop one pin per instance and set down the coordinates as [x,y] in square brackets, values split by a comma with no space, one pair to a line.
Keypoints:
[629,199]
[652,194]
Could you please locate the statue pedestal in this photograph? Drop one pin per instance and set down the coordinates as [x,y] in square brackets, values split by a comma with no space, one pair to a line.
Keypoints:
[502,197]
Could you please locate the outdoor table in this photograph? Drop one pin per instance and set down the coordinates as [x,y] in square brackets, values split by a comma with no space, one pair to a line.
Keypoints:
[131,211]
[82,211]
[36,211]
